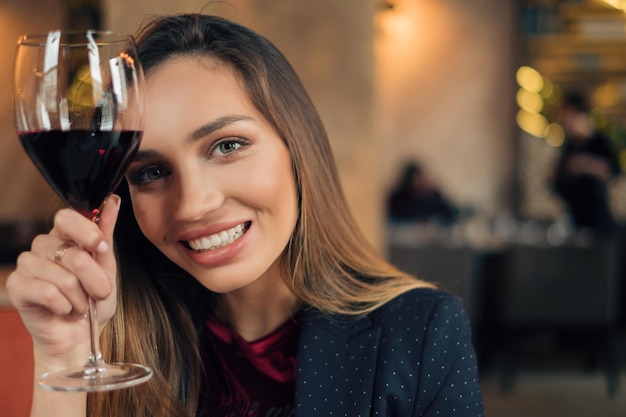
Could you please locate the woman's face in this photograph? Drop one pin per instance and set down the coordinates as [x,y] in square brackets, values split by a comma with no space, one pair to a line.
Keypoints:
[212,185]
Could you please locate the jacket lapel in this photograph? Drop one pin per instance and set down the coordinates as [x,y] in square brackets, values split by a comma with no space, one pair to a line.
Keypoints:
[336,366]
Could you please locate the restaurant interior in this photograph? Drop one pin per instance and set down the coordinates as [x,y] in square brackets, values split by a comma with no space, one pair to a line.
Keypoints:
[469,90]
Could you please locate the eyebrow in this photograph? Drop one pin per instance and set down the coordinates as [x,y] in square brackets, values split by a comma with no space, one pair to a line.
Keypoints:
[199,133]
[213,125]
[145,155]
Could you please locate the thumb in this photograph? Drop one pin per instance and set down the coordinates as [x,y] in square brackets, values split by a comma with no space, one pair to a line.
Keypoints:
[106,223]
[108,217]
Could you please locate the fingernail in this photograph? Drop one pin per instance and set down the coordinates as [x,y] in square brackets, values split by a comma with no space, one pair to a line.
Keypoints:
[102,247]
[116,199]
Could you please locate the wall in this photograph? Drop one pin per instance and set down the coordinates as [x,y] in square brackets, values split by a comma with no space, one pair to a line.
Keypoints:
[445,95]
[23,193]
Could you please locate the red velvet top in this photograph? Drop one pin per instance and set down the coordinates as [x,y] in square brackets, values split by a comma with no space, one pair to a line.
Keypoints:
[252,379]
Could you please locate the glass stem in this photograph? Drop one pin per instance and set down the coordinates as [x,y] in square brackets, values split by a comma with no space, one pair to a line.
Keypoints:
[95,355]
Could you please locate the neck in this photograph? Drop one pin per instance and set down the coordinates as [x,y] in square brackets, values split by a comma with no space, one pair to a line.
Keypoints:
[256,312]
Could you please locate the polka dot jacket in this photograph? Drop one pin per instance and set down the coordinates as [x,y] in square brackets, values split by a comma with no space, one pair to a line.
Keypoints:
[411,357]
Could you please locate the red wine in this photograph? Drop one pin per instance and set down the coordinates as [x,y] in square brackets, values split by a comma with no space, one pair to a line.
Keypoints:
[82,166]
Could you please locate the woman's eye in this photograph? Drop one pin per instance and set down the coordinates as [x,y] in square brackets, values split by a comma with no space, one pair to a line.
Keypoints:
[147,175]
[228,146]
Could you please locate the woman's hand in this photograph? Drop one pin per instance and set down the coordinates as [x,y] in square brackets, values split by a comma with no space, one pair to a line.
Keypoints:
[52,296]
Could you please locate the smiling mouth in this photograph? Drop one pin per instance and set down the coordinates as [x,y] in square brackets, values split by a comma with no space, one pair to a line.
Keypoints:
[218,240]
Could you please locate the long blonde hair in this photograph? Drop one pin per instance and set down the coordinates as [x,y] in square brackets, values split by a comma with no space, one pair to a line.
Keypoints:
[328,263]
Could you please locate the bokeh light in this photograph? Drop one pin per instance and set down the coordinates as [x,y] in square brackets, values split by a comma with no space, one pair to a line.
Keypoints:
[529,100]
[532,123]
[529,79]
[554,134]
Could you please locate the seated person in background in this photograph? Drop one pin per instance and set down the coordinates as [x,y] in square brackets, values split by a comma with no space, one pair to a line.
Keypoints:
[415,198]
[587,162]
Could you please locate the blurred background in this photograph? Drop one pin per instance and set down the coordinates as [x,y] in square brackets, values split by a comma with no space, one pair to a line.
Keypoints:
[446,118]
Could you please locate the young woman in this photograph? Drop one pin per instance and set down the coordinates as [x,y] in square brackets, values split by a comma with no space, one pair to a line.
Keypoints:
[240,276]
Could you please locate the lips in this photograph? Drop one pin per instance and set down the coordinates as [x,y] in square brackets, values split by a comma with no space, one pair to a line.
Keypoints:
[218,240]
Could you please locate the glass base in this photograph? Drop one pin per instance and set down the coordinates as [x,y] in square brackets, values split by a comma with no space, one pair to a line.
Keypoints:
[100,377]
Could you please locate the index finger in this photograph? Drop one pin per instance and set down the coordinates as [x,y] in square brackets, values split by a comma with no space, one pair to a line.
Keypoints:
[71,226]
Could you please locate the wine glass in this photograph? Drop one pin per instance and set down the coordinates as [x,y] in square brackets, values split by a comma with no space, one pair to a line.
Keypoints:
[78,113]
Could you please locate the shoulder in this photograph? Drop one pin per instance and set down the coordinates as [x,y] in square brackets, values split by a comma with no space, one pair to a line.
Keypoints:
[417,319]
[415,353]
[423,320]
[426,334]
[410,312]
[420,306]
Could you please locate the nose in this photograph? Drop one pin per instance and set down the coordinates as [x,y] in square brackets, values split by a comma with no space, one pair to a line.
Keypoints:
[197,195]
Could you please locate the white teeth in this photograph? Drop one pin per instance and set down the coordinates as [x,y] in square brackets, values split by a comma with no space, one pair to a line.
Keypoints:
[218,240]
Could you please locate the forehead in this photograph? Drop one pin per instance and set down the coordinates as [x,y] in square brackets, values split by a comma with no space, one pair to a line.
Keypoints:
[183,85]
[184,94]
[177,65]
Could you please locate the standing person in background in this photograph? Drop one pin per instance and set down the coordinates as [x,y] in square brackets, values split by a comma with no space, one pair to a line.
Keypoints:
[241,279]
[587,163]
[415,198]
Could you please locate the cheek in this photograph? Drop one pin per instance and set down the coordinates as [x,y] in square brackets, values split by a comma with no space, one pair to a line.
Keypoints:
[287,193]
[147,214]
[278,185]
[286,200]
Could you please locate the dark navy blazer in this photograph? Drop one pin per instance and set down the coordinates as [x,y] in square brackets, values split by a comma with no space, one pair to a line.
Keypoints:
[411,357]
